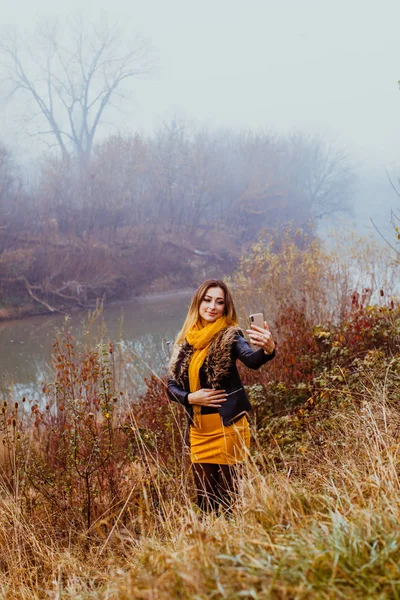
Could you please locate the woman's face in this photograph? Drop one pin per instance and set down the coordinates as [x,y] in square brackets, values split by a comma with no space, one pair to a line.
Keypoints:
[212,306]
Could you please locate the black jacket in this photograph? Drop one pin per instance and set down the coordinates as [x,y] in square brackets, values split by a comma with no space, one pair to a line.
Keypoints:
[218,371]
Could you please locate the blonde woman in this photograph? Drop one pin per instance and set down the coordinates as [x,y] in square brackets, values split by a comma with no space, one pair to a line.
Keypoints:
[205,380]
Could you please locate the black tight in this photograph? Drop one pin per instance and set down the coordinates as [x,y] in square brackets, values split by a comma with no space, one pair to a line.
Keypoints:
[215,486]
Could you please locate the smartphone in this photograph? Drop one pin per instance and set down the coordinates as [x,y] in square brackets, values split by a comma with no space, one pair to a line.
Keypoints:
[256,319]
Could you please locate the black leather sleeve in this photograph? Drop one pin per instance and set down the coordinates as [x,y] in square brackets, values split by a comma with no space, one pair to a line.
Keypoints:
[176,393]
[254,359]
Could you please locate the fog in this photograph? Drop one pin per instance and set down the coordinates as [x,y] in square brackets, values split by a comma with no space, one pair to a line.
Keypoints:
[313,64]
[325,67]
[330,66]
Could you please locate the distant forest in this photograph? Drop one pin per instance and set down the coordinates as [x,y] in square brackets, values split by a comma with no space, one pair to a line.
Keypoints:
[152,213]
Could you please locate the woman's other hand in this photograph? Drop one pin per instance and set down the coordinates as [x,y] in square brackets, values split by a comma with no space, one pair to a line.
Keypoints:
[262,337]
[207,397]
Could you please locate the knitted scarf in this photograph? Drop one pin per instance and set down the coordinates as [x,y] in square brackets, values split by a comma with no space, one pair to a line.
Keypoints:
[200,339]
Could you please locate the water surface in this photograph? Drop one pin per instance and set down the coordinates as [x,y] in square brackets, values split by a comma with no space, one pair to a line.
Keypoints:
[141,329]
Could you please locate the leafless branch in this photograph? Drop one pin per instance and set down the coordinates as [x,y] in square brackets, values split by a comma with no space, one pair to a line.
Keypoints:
[383,237]
[397,192]
[72,84]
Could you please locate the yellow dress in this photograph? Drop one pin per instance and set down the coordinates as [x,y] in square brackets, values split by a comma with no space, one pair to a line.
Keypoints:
[215,443]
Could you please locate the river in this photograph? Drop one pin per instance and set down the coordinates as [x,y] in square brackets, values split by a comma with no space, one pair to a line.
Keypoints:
[142,331]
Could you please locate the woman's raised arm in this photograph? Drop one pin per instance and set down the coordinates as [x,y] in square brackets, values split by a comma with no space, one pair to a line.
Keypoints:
[254,359]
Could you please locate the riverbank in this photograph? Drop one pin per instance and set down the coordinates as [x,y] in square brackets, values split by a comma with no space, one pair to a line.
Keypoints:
[9,313]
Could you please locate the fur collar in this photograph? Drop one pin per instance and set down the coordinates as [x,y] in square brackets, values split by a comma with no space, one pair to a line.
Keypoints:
[216,365]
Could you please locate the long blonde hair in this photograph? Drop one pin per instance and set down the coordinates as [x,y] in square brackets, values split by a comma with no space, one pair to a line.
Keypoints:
[193,315]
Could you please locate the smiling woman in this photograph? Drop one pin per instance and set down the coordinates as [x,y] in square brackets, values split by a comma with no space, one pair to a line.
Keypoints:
[205,380]
[212,306]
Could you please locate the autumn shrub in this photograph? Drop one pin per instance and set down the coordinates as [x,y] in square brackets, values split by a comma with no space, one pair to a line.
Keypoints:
[297,269]
[285,269]
[324,308]
[344,367]
[70,449]
[87,453]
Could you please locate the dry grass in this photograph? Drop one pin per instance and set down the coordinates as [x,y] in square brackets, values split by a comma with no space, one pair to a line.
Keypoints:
[317,513]
[329,531]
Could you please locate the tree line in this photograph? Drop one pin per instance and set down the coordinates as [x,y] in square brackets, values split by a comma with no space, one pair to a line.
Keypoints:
[164,208]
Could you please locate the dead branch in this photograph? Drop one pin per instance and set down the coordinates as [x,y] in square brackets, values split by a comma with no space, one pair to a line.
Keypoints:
[34,297]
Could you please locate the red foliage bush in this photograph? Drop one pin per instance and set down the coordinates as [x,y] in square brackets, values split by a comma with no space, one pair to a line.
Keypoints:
[312,357]
[71,448]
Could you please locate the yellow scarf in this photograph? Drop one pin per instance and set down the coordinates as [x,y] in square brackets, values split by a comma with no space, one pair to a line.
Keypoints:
[200,338]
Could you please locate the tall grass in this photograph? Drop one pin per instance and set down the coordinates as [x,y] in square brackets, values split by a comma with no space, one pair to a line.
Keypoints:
[324,525]
[96,496]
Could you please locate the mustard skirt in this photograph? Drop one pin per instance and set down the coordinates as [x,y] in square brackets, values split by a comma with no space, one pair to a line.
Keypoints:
[214,443]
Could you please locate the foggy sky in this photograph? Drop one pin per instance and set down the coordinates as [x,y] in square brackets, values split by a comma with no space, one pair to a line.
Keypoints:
[321,66]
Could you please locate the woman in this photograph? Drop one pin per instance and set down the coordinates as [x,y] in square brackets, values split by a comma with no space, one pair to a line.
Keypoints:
[205,380]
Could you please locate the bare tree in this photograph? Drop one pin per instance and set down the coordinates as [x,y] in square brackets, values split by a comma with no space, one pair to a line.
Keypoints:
[72,75]
[322,173]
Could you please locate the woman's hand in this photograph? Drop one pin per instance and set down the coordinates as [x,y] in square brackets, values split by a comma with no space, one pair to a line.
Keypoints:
[207,397]
[262,337]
